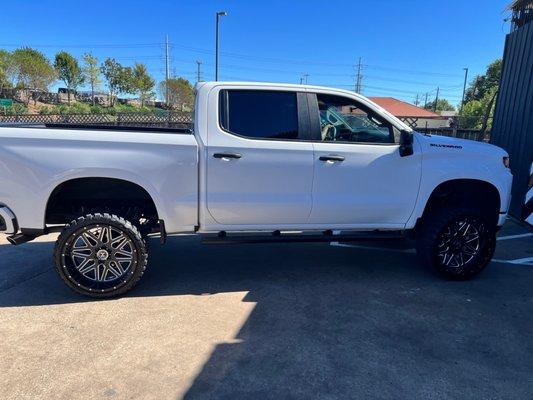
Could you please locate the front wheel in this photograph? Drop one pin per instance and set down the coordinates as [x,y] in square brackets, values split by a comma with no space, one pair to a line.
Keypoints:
[458,244]
[100,255]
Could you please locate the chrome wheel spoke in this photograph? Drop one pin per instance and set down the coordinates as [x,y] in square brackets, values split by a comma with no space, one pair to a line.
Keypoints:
[105,234]
[459,243]
[82,252]
[102,254]
[99,272]
[123,255]
[91,239]
[471,238]
[449,257]
[119,241]
[469,250]
[86,266]
[116,268]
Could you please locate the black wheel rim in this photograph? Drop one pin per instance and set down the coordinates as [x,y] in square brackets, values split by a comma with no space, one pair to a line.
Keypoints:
[460,242]
[99,258]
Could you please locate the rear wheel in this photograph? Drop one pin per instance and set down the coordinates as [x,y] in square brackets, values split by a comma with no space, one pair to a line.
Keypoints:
[456,243]
[100,255]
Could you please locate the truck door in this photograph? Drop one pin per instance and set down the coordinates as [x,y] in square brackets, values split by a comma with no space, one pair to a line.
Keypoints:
[360,180]
[258,170]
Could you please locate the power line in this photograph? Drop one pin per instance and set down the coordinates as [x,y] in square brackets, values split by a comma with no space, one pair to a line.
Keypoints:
[380,78]
[311,62]
[114,46]
[270,70]
[233,55]
[412,72]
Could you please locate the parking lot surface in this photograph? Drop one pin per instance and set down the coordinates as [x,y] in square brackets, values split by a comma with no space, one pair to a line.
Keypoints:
[284,321]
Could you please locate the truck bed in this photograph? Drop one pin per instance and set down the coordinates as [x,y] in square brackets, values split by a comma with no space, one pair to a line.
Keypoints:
[35,160]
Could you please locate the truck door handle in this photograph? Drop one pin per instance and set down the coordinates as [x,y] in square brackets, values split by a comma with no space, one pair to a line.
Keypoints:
[227,155]
[331,158]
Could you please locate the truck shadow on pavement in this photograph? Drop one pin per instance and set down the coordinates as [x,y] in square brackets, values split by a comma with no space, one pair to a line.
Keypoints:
[186,267]
[333,322]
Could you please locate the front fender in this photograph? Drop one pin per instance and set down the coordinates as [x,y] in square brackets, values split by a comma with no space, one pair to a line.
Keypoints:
[461,160]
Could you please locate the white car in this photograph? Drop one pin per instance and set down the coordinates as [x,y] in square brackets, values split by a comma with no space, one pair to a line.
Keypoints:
[263,161]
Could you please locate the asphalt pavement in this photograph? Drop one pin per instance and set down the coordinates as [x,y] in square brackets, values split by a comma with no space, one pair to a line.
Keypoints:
[277,321]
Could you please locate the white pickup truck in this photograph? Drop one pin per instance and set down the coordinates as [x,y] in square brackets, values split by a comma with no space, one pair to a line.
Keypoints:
[264,163]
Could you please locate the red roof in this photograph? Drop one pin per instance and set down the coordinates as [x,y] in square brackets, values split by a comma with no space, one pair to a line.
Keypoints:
[400,108]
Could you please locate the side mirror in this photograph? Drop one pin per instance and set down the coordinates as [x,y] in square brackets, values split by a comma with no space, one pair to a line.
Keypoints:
[406,143]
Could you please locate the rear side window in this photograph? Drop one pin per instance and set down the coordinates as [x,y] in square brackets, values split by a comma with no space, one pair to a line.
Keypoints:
[259,114]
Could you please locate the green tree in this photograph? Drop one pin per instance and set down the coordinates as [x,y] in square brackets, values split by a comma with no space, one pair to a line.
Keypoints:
[143,84]
[91,73]
[69,71]
[442,105]
[116,78]
[33,71]
[477,114]
[482,84]
[126,83]
[7,69]
[480,99]
[180,93]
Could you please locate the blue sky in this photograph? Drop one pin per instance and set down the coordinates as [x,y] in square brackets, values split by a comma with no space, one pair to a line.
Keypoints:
[407,47]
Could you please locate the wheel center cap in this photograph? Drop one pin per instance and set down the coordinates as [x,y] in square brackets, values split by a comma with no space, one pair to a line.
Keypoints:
[102,255]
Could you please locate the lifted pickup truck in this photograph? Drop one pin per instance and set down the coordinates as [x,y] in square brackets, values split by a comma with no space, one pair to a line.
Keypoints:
[263,161]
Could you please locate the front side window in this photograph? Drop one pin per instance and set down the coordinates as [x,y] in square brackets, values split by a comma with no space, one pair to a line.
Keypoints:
[344,120]
[259,114]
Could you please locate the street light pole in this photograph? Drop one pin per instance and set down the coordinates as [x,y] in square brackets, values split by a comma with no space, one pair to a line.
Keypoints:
[198,73]
[464,90]
[219,14]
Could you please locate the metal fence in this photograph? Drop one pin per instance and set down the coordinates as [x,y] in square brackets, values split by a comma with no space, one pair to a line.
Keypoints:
[140,119]
[470,134]
[512,128]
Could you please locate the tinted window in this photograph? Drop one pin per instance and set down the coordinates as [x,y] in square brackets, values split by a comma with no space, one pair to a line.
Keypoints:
[344,120]
[259,113]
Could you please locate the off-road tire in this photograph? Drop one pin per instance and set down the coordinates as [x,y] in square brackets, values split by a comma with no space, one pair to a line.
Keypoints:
[65,262]
[431,233]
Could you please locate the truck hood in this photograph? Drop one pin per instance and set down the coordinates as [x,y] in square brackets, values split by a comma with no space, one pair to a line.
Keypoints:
[446,143]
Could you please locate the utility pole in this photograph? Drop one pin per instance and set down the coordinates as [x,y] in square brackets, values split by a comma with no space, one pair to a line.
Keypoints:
[416,100]
[464,90]
[301,80]
[436,100]
[219,14]
[426,101]
[305,78]
[359,78]
[198,72]
[167,70]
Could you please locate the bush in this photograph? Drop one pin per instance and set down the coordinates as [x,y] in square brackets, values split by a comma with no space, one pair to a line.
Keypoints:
[45,110]
[16,109]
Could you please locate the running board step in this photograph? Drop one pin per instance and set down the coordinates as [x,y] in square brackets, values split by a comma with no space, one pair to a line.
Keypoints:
[280,237]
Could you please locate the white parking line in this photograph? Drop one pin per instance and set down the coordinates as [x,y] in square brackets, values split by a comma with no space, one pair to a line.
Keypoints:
[357,246]
[518,261]
[523,235]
